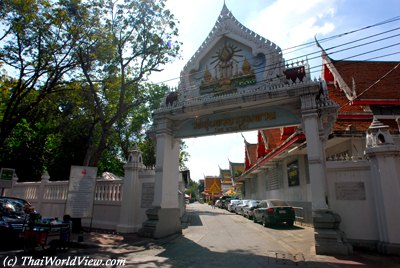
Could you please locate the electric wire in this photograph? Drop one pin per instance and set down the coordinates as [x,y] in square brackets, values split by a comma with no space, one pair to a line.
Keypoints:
[262,69]
[273,66]
[312,43]
[347,63]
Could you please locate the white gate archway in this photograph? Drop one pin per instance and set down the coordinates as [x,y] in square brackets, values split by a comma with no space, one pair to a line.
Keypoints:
[236,81]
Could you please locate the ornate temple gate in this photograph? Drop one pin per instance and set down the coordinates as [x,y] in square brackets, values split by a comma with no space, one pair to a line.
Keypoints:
[237,81]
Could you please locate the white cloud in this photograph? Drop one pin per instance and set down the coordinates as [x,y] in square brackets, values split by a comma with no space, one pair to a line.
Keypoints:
[289,23]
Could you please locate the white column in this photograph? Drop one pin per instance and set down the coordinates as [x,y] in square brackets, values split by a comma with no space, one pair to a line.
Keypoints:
[167,170]
[130,203]
[315,153]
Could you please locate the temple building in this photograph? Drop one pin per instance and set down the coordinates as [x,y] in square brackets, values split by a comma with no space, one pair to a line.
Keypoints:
[368,94]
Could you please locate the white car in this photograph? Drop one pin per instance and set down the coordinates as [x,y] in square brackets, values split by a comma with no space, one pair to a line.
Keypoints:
[233,203]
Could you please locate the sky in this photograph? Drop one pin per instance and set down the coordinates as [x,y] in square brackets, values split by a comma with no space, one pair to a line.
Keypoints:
[287,23]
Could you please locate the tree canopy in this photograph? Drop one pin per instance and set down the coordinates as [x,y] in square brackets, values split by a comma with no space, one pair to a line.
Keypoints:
[74,81]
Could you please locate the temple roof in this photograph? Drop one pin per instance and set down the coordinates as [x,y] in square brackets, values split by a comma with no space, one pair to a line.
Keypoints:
[236,168]
[356,85]
[363,80]
[228,25]
[273,137]
[225,173]
[251,151]
[369,78]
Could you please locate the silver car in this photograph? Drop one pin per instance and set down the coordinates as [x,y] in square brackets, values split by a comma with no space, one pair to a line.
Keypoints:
[248,211]
[239,207]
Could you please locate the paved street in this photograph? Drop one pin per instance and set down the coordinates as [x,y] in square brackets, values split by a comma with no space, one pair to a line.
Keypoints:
[211,238]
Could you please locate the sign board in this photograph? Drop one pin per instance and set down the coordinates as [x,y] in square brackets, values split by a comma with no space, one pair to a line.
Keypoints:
[236,121]
[350,191]
[6,176]
[293,174]
[81,189]
[147,195]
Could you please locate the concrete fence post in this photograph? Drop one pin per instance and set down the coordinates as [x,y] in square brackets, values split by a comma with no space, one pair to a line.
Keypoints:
[40,195]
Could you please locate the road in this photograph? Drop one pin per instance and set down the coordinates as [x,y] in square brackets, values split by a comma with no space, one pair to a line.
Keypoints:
[223,239]
[211,237]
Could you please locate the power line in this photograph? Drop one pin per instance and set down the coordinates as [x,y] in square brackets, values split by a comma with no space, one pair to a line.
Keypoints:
[312,43]
[273,66]
[340,60]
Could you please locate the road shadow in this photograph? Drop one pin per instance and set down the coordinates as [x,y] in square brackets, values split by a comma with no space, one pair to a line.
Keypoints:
[192,217]
[285,227]
[180,251]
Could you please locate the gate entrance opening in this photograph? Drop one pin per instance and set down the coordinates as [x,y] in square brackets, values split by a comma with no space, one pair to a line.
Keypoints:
[237,81]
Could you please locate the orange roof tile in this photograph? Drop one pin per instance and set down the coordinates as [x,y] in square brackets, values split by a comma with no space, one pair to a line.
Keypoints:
[342,126]
[366,73]
[273,136]
[251,151]
[338,96]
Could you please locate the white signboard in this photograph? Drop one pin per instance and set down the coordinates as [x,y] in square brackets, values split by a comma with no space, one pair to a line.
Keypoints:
[81,188]
[6,176]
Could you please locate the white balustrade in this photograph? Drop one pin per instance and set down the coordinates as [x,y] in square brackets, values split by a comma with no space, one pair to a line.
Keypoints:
[107,190]
[56,190]
[49,198]
[25,190]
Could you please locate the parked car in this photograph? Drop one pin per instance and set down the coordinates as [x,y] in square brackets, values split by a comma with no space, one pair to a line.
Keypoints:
[13,214]
[226,201]
[273,211]
[233,203]
[249,209]
[239,207]
[218,203]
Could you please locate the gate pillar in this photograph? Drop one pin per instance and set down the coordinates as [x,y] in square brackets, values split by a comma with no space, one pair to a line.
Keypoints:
[318,118]
[164,216]
[315,151]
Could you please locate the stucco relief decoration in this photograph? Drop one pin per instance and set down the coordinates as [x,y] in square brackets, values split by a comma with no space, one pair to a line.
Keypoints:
[230,59]
[228,70]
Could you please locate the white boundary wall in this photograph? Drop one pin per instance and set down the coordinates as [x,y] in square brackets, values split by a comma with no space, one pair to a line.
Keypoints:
[49,198]
[357,211]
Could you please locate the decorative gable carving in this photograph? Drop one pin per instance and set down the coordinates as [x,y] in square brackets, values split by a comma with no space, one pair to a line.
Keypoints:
[230,58]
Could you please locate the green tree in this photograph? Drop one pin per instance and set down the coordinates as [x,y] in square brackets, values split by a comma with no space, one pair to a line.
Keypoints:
[193,190]
[37,50]
[125,42]
[148,152]
[132,128]
[183,156]
[51,137]
[75,91]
